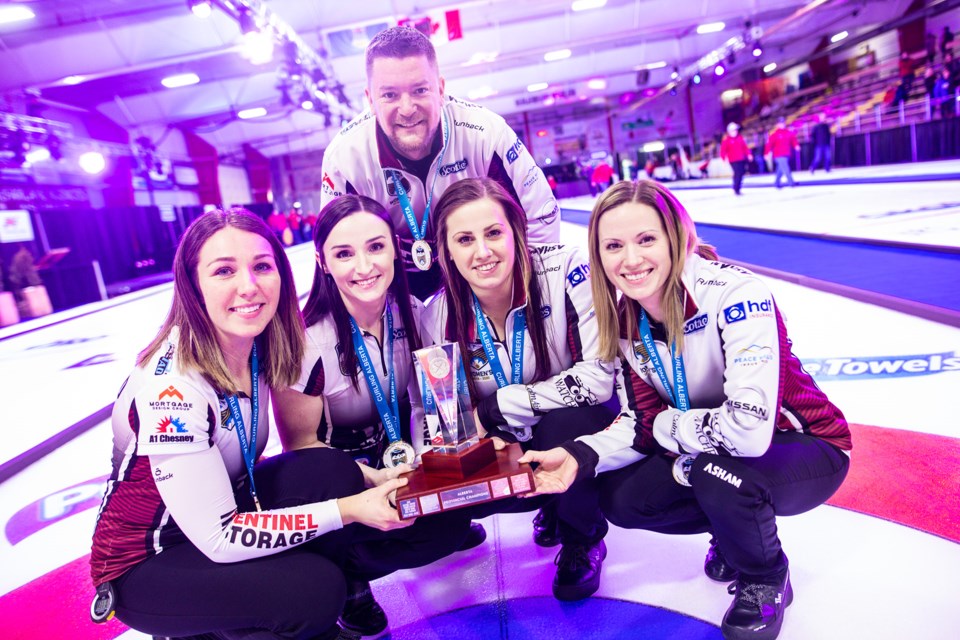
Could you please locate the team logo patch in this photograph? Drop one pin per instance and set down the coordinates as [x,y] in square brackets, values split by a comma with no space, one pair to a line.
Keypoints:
[478,359]
[549,212]
[389,175]
[753,356]
[579,275]
[574,393]
[170,392]
[696,324]
[640,350]
[514,151]
[454,167]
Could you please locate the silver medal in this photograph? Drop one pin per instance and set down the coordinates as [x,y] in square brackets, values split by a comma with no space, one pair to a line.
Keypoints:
[398,453]
[422,254]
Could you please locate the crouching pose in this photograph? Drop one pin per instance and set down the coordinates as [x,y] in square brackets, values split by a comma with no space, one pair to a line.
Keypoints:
[721,429]
[196,534]
[523,317]
[356,392]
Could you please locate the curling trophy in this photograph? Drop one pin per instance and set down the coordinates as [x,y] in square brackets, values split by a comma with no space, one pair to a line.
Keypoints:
[461,469]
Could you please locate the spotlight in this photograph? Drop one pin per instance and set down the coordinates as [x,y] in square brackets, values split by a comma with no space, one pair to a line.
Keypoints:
[696,78]
[93,162]
[675,74]
[200,8]
[757,50]
[719,70]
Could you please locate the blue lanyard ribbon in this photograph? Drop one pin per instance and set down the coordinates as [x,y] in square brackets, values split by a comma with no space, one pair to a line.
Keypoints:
[249,451]
[389,412]
[419,232]
[679,398]
[516,357]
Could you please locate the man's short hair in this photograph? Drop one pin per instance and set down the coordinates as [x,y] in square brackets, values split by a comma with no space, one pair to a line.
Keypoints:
[399,42]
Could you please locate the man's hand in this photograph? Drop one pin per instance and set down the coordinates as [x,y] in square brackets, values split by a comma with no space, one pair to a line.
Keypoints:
[557,470]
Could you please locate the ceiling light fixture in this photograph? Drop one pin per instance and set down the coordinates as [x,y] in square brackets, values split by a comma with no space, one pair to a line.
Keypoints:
[200,8]
[586,5]
[560,54]
[255,112]
[15,13]
[711,27]
[537,86]
[838,37]
[180,80]
[770,68]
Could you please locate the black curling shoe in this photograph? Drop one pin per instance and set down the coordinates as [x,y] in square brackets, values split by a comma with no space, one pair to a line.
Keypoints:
[757,610]
[362,613]
[715,565]
[578,570]
[546,530]
[475,537]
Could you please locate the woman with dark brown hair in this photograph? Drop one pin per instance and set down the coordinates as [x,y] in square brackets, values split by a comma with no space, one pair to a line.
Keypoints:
[523,317]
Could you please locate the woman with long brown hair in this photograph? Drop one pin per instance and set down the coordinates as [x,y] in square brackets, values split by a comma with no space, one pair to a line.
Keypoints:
[523,317]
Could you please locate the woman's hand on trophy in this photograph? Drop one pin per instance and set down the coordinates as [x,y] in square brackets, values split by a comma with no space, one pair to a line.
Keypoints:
[556,471]
[376,477]
[498,443]
[374,507]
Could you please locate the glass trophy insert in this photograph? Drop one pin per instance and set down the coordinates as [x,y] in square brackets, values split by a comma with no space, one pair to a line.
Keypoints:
[461,469]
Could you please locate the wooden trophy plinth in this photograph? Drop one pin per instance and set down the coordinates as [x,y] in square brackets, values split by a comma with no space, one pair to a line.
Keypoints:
[452,481]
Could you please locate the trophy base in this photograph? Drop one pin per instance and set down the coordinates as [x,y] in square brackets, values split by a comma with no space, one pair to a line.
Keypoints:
[428,492]
[460,465]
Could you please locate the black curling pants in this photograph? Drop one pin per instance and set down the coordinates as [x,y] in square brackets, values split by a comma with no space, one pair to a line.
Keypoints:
[578,511]
[738,499]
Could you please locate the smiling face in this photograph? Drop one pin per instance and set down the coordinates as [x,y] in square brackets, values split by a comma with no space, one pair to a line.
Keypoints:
[406,95]
[359,256]
[240,285]
[482,245]
[635,253]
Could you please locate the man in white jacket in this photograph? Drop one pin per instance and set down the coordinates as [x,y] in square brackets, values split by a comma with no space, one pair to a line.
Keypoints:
[414,141]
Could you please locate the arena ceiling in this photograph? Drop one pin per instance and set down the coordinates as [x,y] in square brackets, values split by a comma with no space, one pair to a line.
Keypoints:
[111,55]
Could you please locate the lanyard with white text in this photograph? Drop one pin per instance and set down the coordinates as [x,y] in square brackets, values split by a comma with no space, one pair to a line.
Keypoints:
[516,357]
[389,412]
[249,452]
[420,232]
[678,399]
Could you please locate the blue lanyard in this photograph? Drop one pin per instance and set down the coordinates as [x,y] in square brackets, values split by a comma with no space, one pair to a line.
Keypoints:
[516,357]
[680,400]
[420,232]
[249,452]
[389,413]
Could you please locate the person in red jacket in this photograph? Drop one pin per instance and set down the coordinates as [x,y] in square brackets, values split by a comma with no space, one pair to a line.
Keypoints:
[782,143]
[734,150]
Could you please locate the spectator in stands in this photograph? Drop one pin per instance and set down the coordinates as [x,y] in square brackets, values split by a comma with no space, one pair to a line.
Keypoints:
[931,45]
[552,182]
[600,178]
[906,73]
[929,80]
[277,223]
[821,144]
[734,150]
[943,94]
[946,41]
[952,65]
[295,220]
[781,144]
